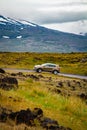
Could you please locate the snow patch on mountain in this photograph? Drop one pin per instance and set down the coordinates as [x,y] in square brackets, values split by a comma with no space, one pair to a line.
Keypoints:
[6,37]
[27,23]
[22,28]
[19,37]
[2,19]
[7,20]
[13,21]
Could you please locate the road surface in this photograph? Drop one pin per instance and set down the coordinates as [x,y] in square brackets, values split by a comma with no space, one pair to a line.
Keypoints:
[61,74]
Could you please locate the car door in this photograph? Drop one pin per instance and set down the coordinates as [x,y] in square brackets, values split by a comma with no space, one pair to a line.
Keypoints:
[47,68]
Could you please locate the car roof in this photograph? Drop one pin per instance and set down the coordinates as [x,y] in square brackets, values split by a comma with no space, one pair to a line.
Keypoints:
[48,64]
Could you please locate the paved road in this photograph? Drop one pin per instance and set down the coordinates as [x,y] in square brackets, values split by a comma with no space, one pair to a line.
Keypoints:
[61,74]
[73,76]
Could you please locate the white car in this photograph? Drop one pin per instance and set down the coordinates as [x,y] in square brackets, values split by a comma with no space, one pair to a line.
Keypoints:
[47,67]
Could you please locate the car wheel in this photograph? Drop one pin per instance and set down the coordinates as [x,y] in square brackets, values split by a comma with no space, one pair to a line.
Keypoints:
[39,70]
[55,72]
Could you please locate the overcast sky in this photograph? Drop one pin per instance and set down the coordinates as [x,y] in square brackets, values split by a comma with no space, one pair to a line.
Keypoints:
[45,12]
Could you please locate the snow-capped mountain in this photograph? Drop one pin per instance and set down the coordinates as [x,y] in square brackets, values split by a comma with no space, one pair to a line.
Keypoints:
[11,28]
[22,35]
[5,20]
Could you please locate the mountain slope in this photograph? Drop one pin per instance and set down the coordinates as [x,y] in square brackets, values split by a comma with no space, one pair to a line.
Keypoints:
[21,35]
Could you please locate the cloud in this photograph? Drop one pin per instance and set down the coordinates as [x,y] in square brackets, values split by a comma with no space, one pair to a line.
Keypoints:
[45,11]
[63,14]
[71,27]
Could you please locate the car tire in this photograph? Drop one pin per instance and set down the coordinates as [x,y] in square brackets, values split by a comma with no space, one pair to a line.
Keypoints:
[39,70]
[55,72]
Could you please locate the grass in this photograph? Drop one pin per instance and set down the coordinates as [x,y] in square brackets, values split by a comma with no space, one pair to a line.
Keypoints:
[68,111]
[74,63]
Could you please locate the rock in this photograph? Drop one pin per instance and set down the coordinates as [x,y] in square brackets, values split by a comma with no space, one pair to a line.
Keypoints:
[8,83]
[33,76]
[79,84]
[20,74]
[58,91]
[23,116]
[85,80]
[37,112]
[3,117]
[10,80]
[6,86]
[40,76]
[49,124]
[13,74]
[83,96]
[73,88]
[60,84]
[2,71]
[68,83]
[28,117]
[4,114]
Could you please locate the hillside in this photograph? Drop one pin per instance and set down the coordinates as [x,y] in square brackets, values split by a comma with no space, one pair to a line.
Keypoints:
[42,102]
[24,36]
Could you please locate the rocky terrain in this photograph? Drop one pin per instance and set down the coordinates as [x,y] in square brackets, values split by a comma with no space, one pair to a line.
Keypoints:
[35,119]
[29,118]
[65,87]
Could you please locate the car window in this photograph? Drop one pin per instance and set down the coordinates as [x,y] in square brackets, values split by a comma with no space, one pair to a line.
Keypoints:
[50,65]
[46,65]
